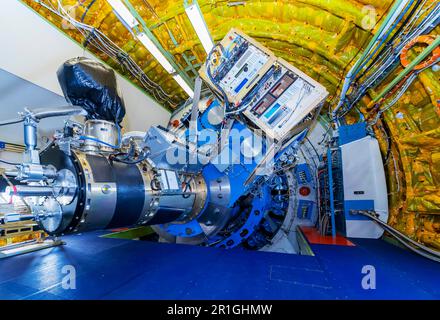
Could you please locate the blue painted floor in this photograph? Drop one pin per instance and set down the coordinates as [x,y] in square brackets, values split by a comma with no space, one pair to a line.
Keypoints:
[124,269]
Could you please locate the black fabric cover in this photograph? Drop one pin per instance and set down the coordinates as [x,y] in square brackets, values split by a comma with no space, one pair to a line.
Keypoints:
[91,85]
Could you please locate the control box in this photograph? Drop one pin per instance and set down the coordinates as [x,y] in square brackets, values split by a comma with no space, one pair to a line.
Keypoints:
[236,65]
[283,99]
[276,97]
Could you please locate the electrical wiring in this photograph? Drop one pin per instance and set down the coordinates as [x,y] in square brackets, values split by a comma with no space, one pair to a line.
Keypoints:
[208,69]
[341,81]
[393,52]
[9,163]
[126,161]
[98,141]
[382,41]
[379,55]
[11,121]
[402,87]
[96,39]
[249,98]
[87,10]
[421,19]
[304,91]
[355,69]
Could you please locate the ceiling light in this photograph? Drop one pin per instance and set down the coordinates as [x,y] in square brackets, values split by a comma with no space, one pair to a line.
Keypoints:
[195,16]
[123,13]
[154,50]
[184,85]
[130,21]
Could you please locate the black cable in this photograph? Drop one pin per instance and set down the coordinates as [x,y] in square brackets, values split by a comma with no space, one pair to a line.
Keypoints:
[10,163]
[87,10]
[384,130]
[350,62]
[314,149]
[390,42]
[11,121]
[139,160]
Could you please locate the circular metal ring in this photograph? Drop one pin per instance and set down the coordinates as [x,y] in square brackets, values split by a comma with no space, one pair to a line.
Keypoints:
[425,39]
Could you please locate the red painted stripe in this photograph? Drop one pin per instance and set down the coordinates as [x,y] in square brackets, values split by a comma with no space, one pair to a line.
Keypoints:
[314,237]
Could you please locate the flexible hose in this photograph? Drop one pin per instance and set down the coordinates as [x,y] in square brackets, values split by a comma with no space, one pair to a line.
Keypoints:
[9,163]
[11,121]
[98,141]
[402,238]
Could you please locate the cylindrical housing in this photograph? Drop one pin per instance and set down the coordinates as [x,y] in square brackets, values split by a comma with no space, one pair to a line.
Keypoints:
[119,194]
[29,191]
[112,194]
[104,131]
[30,134]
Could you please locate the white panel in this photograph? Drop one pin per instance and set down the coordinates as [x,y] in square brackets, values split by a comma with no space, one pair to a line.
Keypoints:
[364,179]
[363,229]
[244,71]
[34,50]
[359,170]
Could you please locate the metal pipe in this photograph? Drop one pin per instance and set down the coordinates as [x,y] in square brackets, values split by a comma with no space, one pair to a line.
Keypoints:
[394,12]
[407,70]
[330,189]
[11,173]
[29,191]
[43,113]
[402,238]
[14,217]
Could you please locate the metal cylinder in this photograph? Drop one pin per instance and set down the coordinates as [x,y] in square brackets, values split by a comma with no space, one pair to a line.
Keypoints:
[100,135]
[111,194]
[29,191]
[30,134]
[119,194]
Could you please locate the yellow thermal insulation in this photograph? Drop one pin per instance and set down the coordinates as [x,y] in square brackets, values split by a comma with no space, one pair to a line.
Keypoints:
[320,37]
[413,168]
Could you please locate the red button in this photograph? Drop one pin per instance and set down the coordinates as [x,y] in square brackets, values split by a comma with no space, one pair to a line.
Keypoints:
[304,191]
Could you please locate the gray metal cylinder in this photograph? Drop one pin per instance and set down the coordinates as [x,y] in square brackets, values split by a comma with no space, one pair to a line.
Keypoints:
[104,131]
[29,191]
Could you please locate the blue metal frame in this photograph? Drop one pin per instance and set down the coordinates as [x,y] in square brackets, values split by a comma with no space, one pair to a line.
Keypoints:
[330,186]
[352,133]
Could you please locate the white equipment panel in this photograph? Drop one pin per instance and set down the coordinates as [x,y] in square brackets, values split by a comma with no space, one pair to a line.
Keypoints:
[244,72]
[236,65]
[283,99]
[364,180]
[275,96]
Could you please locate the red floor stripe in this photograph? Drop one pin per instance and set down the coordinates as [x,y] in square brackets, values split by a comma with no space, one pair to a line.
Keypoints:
[314,237]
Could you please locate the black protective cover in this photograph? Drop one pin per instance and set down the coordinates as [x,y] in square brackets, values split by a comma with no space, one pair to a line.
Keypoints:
[91,85]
